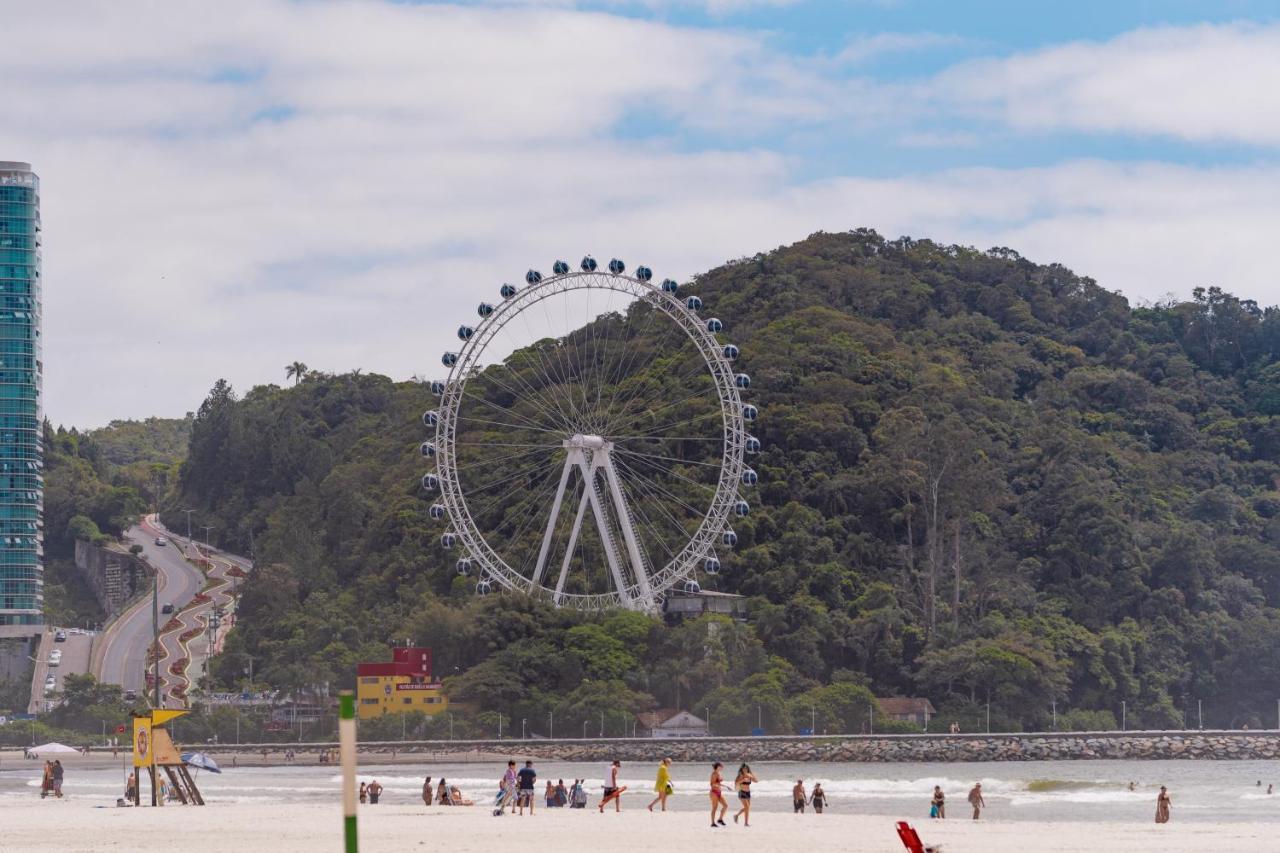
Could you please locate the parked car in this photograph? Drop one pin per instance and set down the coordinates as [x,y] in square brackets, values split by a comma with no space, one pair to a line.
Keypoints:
[160,540]
[50,682]
[55,657]
[168,607]
[130,695]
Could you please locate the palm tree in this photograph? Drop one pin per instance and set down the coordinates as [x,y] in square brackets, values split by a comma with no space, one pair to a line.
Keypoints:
[296,371]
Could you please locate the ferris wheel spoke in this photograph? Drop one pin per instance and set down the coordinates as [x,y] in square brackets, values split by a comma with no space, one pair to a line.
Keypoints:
[640,401]
[661,489]
[628,366]
[496,500]
[524,471]
[550,385]
[695,395]
[553,361]
[529,422]
[553,445]
[487,460]
[471,419]
[674,473]
[687,421]
[529,395]
[677,460]
[638,506]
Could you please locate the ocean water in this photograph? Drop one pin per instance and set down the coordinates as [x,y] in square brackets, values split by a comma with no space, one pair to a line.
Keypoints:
[1045,790]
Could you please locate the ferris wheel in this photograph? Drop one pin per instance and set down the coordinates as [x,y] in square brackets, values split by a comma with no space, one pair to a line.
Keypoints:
[590,440]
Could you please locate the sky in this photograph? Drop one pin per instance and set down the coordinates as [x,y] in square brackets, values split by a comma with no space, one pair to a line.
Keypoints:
[230,187]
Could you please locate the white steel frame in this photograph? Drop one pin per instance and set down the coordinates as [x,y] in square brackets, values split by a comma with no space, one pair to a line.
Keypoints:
[590,455]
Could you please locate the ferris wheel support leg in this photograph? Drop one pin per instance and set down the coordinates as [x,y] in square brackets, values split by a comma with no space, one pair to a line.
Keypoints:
[573,542]
[645,597]
[541,567]
[610,548]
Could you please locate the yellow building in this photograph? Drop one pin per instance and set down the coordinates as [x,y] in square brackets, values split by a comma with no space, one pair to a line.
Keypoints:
[404,684]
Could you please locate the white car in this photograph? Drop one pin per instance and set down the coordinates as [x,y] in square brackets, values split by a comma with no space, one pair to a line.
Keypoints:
[55,657]
[50,683]
[160,540]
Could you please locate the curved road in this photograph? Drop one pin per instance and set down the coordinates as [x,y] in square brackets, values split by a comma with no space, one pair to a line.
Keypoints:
[121,654]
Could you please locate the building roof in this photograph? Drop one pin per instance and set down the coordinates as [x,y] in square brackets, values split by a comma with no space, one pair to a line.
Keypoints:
[683,720]
[900,706]
[652,719]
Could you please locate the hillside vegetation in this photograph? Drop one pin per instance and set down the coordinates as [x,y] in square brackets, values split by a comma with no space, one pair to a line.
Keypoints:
[983,480]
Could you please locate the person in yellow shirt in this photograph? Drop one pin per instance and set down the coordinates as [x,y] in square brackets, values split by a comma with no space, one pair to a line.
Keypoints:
[662,787]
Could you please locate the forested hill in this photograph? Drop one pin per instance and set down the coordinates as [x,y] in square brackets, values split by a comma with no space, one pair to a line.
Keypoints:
[983,479]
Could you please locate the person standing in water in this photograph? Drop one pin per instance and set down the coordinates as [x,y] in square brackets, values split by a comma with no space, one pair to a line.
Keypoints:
[798,797]
[375,791]
[1163,802]
[938,805]
[743,785]
[818,799]
[662,785]
[975,800]
[364,792]
[426,791]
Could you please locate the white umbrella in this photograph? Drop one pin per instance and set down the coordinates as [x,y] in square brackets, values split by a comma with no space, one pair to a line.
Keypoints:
[53,746]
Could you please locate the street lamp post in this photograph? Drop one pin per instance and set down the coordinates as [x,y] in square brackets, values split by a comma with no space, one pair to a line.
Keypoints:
[1200,713]
[1124,715]
[813,720]
[206,528]
[522,722]
[188,512]
[602,724]
[584,730]
[759,719]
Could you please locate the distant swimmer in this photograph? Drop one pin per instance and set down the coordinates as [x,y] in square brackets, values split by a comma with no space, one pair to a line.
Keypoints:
[1132,786]
[1268,789]
[1163,802]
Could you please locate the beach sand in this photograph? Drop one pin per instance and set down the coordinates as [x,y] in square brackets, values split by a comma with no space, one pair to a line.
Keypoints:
[69,826]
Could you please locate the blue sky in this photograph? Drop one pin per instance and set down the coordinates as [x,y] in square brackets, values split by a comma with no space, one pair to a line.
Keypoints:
[230,187]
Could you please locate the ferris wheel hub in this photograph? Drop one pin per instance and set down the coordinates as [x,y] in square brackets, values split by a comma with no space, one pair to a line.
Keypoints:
[586,442]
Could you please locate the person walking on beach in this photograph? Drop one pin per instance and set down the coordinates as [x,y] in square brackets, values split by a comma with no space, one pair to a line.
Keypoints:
[578,795]
[662,785]
[506,791]
[57,779]
[46,779]
[550,795]
[375,791]
[562,794]
[524,796]
[975,799]
[717,796]
[818,799]
[1162,805]
[426,791]
[743,786]
[798,797]
[131,787]
[612,789]
[938,805]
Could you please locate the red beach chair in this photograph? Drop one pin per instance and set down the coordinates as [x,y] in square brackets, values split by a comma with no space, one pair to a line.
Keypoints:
[911,840]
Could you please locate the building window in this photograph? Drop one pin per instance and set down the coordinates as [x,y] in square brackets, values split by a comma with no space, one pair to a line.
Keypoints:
[369,680]
[368,701]
[408,700]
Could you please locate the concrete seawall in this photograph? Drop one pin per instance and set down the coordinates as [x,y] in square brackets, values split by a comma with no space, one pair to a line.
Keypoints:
[1204,745]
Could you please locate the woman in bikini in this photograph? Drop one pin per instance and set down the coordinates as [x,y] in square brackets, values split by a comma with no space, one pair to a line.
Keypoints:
[743,786]
[717,796]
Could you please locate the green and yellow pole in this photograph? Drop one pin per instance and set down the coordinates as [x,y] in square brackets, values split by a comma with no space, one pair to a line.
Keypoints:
[347,752]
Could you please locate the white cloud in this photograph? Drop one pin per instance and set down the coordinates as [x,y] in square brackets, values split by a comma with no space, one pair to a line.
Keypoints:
[386,167]
[1199,83]
[865,48]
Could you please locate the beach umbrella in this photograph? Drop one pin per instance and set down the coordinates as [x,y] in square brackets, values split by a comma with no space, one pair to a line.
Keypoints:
[202,761]
[53,747]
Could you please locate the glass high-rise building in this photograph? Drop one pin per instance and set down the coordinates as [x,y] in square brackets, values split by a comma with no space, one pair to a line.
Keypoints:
[21,365]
